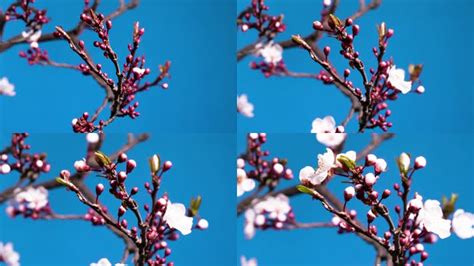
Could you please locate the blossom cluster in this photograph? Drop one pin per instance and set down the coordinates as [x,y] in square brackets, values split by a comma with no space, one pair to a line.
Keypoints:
[267,173]
[30,202]
[417,222]
[273,212]
[162,219]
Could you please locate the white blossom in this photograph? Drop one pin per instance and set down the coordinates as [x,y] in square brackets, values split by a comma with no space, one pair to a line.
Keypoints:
[431,218]
[203,224]
[32,37]
[175,217]
[463,224]
[9,255]
[139,71]
[249,226]
[248,262]
[380,165]
[277,207]
[396,78]
[326,162]
[244,184]
[244,106]
[271,53]
[325,130]
[6,88]
[33,198]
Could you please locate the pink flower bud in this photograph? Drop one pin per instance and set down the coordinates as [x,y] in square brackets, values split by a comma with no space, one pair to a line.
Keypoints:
[420,89]
[370,179]
[278,168]
[327,50]
[99,189]
[124,223]
[349,193]
[122,176]
[122,158]
[380,165]
[244,27]
[203,224]
[420,162]
[121,211]
[317,25]
[167,165]
[134,191]
[370,216]
[386,193]
[131,164]
[370,159]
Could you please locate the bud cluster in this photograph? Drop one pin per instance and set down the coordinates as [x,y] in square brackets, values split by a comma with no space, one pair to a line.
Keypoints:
[16,158]
[129,77]
[255,17]
[23,10]
[384,83]
[266,172]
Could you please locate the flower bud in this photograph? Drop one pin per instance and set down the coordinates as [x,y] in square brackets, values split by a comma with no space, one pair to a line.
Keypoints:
[99,189]
[317,25]
[420,89]
[420,162]
[370,159]
[370,216]
[380,165]
[122,176]
[121,211]
[124,223]
[203,224]
[278,168]
[5,169]
[386,193]
[349,193]
[122,158]
[370,179]
[404,163]
[134,191]
[131,164]
[327,50]
[167,165]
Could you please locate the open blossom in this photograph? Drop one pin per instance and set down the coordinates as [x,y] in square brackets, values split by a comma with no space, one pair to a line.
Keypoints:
[244,106]
[32,37]
[396,79]
[33,198]
[272,53]
[8,255]
[431,218]
[175,217]
[247,262]
[105,262]
[325,130]
[139,71]
[463,224]
[244,184]
[249,226]
[6,88]
[277,207]
[326,162]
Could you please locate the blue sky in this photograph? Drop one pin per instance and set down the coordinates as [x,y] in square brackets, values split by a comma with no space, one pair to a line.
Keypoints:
[78,243]
[200,89]
[433,33]
[325,246]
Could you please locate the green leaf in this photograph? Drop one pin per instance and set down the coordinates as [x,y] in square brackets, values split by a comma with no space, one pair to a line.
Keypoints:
[102,159]
[195,205]
[449,206]
[62,181]
[306,190]
[346,162]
